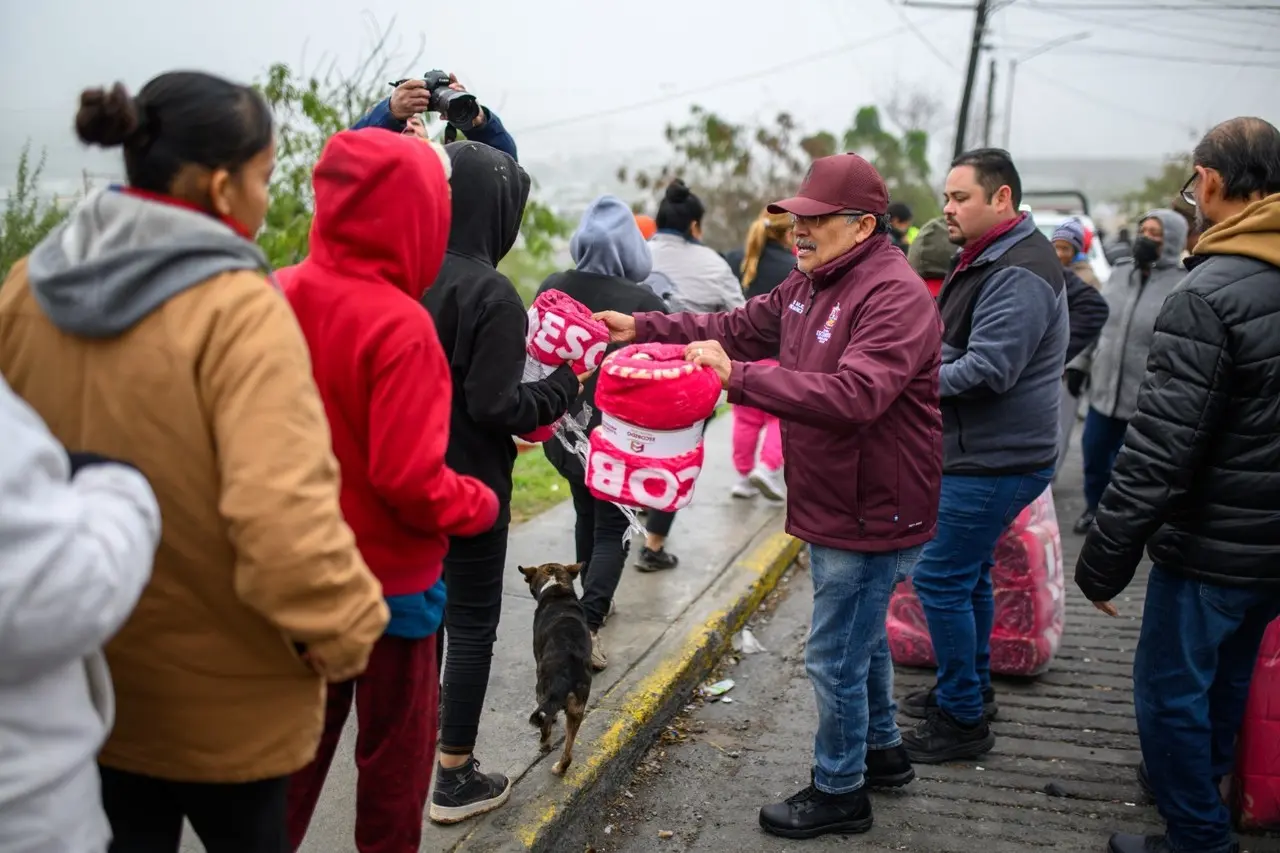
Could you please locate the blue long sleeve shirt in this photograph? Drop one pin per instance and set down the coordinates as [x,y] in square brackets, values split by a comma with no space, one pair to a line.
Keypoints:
[491,133]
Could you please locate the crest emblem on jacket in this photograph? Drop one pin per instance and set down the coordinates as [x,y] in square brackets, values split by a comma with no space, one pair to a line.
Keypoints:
[824,334]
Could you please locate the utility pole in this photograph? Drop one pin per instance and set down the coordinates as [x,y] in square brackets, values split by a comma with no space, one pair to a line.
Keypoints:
[979,29]
[991,98]
[1008,102]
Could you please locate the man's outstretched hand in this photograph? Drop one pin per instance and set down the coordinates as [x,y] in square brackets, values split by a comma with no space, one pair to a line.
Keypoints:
[1107,607]
[622,327]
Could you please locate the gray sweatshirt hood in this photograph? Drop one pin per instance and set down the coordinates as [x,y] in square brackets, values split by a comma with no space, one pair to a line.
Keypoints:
[1175,235]
[118,257]
[608,241]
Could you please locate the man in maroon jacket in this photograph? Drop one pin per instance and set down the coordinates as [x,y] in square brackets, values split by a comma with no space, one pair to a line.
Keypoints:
[856,387]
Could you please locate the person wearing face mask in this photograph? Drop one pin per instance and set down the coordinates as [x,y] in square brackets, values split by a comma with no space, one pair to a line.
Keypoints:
[858,339]
[1137,288]
[1198,487]
[146,328]
[1005,310]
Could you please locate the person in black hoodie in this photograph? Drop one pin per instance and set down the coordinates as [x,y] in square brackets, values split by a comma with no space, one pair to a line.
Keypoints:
[612,259]
[482,324]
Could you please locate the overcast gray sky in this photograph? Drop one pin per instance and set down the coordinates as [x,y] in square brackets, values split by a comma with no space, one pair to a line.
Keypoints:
[546,65]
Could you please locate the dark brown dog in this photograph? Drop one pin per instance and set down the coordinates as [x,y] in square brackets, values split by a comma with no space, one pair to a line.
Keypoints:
[562,649]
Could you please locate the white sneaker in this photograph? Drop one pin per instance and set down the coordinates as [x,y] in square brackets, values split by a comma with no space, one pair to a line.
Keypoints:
[599,660]
[769,483]
[745,489]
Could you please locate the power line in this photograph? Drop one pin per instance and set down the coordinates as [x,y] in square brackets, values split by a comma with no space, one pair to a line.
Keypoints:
[1161,57]
[711,87]
[1185,36]
[906,19]
[1167,7]
[1093,98]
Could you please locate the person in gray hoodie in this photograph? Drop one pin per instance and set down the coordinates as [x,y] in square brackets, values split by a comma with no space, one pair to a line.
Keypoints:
[1134,293]
[77,537]
[612,261]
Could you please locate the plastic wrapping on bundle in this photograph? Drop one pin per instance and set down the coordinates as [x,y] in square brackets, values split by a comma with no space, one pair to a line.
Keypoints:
[1257,782]
[1029,590]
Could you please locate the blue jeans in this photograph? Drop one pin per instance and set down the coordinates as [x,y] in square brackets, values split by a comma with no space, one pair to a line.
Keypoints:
[1191,675]
[1099,446]
[847,658]
[953,580]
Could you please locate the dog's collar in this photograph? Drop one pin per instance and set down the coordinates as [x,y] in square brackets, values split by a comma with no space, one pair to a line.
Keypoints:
[546,586]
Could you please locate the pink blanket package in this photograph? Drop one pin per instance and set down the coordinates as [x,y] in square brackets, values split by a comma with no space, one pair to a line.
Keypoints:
[647,451]
[1257,785]
[561,331]
[1030,608]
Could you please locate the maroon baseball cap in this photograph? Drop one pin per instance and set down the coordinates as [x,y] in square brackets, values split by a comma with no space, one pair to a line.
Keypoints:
[836,183]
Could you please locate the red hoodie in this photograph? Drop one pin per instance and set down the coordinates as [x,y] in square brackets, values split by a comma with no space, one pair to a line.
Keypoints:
[377,241]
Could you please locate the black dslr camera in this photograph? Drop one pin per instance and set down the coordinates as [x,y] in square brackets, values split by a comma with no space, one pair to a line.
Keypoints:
[459,108]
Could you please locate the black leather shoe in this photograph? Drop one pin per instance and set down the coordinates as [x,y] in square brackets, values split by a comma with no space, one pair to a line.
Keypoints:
[888,768]
[921,704]
[811,813]
[941,738]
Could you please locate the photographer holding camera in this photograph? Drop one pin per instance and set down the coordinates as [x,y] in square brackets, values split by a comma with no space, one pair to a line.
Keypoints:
[441,93]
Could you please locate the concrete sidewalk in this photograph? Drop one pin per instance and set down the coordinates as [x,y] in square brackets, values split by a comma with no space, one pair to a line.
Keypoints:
[668,630]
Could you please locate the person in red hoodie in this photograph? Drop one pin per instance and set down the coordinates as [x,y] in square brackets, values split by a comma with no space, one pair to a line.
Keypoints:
[377,241]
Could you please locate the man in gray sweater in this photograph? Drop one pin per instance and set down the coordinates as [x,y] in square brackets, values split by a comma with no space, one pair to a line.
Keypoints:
[1004,309]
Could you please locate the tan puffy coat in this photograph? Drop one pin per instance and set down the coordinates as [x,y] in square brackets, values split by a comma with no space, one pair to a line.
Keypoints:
[211,396]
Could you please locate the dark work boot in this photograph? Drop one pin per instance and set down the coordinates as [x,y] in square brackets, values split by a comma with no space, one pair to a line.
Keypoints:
[463,792]
[941,738]
[1123,842]
[920,704]
[888,768]
[811,813]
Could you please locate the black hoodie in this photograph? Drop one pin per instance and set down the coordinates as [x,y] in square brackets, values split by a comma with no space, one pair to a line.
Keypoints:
[482,324]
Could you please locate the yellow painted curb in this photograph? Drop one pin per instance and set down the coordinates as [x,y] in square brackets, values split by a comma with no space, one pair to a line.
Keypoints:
[638,709]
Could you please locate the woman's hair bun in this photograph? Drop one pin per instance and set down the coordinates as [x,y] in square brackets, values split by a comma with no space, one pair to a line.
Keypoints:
[677,192]
[107,117]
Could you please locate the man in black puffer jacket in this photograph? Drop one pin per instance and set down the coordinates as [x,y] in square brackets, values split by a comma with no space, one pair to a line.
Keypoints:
[1198,484]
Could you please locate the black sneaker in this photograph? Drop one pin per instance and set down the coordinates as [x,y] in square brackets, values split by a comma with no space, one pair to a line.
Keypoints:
[940,739]
[811,813]
[1123,842]
[463,792]
[1083,523]
[888,768]
[656,561]
[923,703]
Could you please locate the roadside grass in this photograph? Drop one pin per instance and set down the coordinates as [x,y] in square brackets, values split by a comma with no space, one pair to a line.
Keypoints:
[536,486]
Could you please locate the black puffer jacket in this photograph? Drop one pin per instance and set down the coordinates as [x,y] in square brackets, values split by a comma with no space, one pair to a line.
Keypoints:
[1198,480]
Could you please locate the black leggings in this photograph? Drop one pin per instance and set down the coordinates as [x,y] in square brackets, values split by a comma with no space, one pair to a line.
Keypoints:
[600,534]
[473,577]
[659,523]
[146,814]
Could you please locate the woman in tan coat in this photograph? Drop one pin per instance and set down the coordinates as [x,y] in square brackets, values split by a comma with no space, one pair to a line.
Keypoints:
[146,328]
